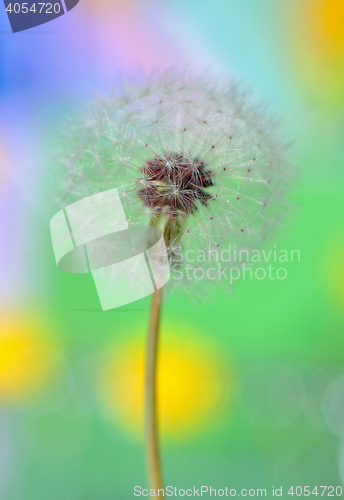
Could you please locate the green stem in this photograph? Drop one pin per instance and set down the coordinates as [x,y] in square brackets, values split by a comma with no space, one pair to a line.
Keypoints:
[151,431]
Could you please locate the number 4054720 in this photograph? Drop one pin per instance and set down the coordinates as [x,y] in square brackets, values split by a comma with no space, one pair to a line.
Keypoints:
[39,8]
[306,491]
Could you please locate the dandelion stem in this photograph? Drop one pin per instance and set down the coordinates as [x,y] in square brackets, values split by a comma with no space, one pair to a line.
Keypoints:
[151,430]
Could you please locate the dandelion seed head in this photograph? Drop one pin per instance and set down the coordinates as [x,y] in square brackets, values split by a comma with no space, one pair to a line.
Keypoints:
[199,153]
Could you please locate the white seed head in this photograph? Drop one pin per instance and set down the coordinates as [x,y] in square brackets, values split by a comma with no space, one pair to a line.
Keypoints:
[205,137]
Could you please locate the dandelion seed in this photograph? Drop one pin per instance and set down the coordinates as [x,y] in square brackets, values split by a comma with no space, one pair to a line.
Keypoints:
[188,178]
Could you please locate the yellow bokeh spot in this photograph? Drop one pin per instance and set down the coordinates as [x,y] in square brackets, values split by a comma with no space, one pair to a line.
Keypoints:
[321,25]
[17,333]
[315,36]
[27,373]
[330,22]
[193,383]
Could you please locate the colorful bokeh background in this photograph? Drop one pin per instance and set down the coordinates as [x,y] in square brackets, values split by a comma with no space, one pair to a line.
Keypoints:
[251,385]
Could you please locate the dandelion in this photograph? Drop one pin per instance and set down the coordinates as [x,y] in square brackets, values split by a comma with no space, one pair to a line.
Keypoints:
[194,157]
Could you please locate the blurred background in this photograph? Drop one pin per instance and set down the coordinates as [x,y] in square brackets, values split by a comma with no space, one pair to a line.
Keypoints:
[251,385]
